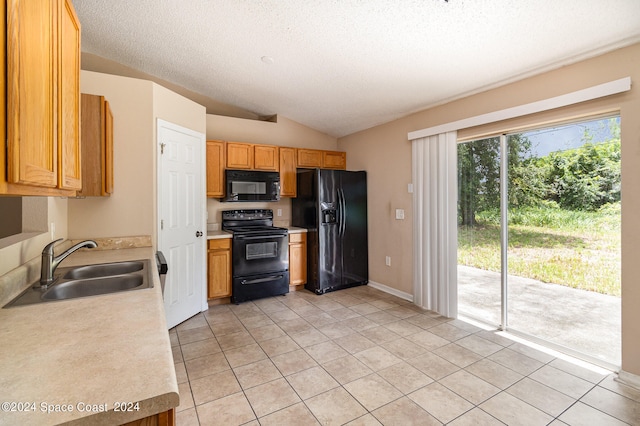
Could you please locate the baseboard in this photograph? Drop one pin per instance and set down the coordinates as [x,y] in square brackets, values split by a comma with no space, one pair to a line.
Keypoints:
[628,379]
[391,290]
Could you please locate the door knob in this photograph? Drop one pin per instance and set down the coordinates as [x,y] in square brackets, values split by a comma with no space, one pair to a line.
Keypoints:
[198,234]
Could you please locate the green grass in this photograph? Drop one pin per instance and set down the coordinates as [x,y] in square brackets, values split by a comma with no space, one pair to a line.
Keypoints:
[573,248]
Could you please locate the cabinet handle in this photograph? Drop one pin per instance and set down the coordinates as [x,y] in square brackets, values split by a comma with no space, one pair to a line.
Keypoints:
[198,234]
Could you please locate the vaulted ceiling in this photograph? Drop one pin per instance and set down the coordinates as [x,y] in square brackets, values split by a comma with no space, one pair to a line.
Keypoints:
[340,66]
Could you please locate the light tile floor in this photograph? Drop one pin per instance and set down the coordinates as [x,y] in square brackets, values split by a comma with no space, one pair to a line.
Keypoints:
[362,357]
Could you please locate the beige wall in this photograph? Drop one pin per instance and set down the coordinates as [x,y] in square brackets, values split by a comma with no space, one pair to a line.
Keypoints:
[283,133]
[136,106]
[386,154]
[129,210]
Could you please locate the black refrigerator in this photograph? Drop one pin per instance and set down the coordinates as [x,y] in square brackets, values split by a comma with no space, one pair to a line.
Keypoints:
[332,206]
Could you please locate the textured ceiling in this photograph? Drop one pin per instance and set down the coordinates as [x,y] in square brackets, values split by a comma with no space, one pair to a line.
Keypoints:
[341,66]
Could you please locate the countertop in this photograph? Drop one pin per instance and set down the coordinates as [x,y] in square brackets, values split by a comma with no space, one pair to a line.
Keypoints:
[88,355]
[213,235]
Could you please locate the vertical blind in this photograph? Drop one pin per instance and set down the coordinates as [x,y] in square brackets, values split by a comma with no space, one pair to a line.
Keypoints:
[435,223]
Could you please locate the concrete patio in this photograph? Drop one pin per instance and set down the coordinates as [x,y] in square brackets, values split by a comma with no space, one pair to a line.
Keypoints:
[583,321]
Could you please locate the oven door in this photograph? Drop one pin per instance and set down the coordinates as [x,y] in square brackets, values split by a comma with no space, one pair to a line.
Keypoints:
[259,286]
[255,254]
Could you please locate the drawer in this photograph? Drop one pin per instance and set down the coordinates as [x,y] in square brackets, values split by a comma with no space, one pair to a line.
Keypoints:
[298,237]
[220,244]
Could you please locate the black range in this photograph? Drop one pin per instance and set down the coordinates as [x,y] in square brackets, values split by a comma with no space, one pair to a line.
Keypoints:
[260,254]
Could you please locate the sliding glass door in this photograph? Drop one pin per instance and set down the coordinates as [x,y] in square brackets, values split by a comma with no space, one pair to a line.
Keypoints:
[550,241]
[479,285]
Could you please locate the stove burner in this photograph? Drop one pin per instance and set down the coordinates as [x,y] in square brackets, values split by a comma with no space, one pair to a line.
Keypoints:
[244,229]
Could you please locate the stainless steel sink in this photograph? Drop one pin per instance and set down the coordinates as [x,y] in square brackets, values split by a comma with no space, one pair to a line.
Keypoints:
[104,270]
[93,287]
[89,280]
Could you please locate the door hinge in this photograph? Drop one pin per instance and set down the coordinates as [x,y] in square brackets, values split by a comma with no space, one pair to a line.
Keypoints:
[161,224]
[162,145]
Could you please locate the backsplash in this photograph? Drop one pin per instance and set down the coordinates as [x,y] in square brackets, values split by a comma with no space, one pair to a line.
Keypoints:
[116,243]
[215,208]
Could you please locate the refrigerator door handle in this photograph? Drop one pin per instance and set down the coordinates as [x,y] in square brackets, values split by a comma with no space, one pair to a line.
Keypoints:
[342,206]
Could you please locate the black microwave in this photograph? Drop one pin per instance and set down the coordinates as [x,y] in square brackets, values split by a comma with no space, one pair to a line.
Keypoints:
[249,185]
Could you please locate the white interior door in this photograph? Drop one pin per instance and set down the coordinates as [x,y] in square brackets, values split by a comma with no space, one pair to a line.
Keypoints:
[181,217]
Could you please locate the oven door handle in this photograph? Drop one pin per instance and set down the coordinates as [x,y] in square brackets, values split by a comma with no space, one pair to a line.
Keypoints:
[262,280]
[259,237]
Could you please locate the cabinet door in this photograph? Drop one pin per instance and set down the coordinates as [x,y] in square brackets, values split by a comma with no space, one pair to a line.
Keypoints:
[69,165]
[219,268]
[239,155]
[265,157]
[97,146]
[311,158]
[31,96]
[334,160]
[107,179]
[215,169]
[297,259]
[91,136]
[288,172]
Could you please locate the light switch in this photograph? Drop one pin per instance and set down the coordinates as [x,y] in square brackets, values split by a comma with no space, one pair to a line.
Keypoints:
[400,214]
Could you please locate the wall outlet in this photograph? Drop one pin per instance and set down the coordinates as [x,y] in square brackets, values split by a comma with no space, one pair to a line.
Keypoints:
[387,260]
[53,230]
[400,214]
[279,212]
[410,188]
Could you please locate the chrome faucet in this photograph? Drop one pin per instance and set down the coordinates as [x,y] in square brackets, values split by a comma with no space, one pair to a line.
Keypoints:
[51,262]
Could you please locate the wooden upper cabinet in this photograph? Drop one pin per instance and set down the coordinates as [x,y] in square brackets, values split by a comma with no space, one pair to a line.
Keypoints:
[31,95]
[288,172]
[239,155]
[42,98]
[265,157]
[70,167]
[107,176]
[252,156]
[97,147]
[311,158]
[334,160]
[215,169]
[316,158]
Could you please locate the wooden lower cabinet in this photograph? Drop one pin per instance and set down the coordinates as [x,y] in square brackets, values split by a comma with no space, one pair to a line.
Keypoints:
[166,418]
[219,268]
[297,259]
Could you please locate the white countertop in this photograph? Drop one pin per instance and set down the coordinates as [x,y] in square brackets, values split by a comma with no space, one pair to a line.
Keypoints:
[91,352]
[294,230]
[214,235]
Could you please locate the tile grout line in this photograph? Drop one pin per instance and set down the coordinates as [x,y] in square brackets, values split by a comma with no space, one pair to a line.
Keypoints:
[378,343]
